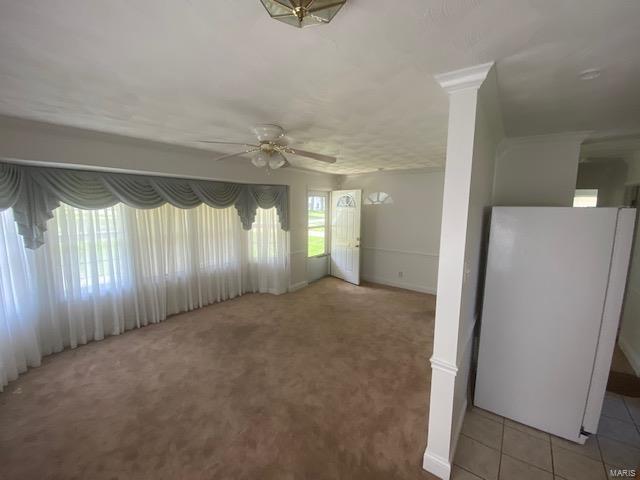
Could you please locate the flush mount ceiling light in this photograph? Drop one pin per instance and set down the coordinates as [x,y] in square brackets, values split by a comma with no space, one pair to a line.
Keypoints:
[303,13]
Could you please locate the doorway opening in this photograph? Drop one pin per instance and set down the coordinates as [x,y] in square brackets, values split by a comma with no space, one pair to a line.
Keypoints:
[333,234]
[608,176]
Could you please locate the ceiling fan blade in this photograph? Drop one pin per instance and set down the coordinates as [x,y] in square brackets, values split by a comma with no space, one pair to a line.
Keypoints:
[316,156]
[236,154]
[227,143]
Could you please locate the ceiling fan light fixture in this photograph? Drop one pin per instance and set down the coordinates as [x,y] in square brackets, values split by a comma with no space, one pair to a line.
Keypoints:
[260,159]
[267,132]
[276,161]
[270,150]
[303,13]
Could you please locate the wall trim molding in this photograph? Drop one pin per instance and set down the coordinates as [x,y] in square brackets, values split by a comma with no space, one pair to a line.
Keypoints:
[393,283]
[398,171]
[465,78]
[403,252]
[436,464]
[297,286]
[297,252]
[511,142]
[443,366]
[632,356]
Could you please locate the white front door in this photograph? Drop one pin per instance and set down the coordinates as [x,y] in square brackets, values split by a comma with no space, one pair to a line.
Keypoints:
[345,234]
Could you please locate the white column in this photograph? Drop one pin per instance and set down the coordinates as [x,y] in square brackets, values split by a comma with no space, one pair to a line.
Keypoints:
[462,87]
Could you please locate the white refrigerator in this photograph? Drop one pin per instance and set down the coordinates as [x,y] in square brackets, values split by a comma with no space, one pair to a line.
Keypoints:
[553,293]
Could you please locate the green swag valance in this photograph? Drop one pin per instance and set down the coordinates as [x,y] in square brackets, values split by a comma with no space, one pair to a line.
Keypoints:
[34,192]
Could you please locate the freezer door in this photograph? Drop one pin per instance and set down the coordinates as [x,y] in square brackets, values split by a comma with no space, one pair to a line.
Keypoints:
[610,317]
[546,281]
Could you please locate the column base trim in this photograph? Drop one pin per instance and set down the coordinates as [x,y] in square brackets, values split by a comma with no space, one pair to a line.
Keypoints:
[437,465]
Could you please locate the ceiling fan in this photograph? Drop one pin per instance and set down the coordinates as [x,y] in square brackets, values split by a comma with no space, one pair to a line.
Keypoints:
[270,150]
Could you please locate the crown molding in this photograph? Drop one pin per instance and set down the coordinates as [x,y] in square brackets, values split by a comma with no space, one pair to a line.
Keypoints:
[509,142]
[465,78]
[611,148]
[397,171]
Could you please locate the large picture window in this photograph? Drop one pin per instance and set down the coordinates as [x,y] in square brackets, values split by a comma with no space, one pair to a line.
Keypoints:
[102,272]
[318,203]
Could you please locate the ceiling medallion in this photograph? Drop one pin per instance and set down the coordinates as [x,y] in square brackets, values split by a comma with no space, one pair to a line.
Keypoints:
[303,13]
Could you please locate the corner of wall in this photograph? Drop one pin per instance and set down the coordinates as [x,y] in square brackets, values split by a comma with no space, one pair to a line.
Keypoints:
[632,354]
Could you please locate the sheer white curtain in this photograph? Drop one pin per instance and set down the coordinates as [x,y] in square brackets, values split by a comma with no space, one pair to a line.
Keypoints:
[102,272]
[18,327]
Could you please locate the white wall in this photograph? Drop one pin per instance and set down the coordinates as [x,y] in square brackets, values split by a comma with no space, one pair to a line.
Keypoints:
[608,176]
[540,170]
[317,267]
[62,146]
[400,237]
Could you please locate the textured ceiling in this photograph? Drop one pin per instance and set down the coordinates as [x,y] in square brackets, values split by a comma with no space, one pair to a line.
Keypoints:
[360,88]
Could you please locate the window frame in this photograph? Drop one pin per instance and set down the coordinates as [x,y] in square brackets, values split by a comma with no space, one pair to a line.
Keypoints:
[327,223]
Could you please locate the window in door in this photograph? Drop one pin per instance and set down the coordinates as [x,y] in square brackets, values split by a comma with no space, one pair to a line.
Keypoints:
[586,197]
[317,223]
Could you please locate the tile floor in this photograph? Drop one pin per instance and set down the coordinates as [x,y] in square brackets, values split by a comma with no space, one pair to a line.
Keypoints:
[492,447]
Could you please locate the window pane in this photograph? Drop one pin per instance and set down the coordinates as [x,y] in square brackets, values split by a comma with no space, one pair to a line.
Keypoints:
[317,245]
[317,210]
[317,221]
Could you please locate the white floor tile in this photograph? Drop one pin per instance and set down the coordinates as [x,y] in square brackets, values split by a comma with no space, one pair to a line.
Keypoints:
[477,458]
[489,415]
[633,404]
[514,469]
[483,429]
[619,454]
[526,429]
[458,473]
[573,466]
[589,448]
[614,407]
[618,430]
[533,450]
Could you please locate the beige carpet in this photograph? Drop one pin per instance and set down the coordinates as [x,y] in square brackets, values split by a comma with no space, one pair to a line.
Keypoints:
[330,382]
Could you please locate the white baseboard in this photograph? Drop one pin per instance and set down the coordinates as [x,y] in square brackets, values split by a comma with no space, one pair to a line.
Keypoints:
[437,465]
[297,286]
[632,355]
[393,283]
